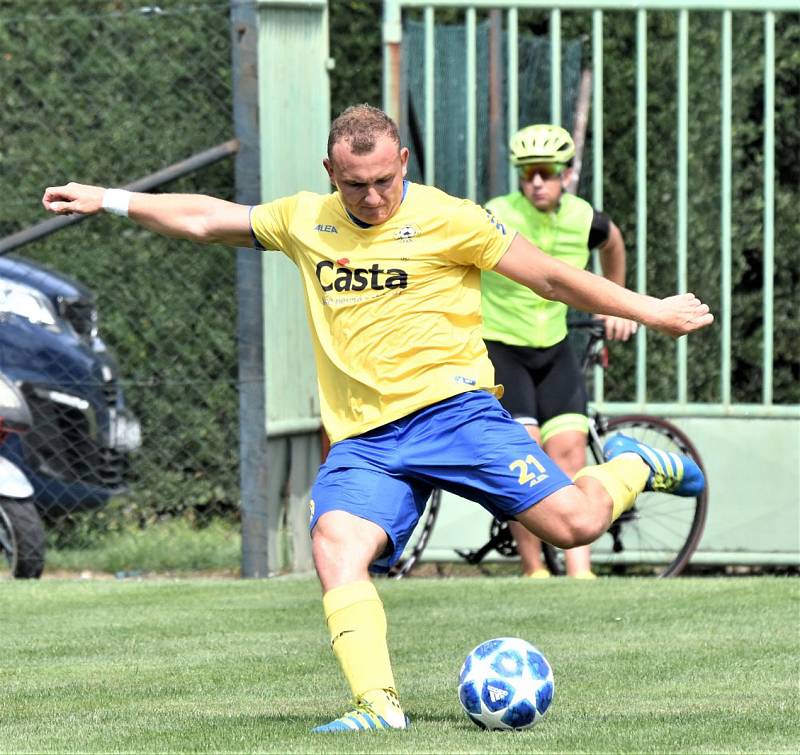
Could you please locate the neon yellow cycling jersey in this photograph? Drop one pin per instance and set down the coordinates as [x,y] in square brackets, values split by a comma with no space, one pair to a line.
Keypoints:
[512,313]
[394,309]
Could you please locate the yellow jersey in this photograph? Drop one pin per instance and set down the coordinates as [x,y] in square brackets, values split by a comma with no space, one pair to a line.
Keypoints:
[394,309]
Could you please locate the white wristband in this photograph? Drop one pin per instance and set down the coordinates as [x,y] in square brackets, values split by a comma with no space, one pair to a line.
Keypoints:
[116,201]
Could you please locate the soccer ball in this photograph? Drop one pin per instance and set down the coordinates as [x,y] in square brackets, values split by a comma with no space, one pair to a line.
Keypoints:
[506,684]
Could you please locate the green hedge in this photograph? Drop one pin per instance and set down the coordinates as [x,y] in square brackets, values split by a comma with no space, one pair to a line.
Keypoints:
[102,92]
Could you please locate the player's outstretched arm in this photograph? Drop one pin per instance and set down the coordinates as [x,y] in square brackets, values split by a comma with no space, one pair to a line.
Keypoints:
[196,217]
[675,315]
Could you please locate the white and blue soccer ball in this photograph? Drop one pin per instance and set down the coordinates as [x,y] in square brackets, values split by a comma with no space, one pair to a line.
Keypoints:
[506,683]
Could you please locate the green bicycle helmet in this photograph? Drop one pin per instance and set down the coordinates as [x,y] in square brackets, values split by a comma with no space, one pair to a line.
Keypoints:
[541,143]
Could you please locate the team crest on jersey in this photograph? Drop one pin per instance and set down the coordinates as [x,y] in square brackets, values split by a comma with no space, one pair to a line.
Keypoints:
[407,233]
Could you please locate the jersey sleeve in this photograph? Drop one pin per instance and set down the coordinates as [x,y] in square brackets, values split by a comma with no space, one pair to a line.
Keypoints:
[270,224]
[477,237]
[600,230]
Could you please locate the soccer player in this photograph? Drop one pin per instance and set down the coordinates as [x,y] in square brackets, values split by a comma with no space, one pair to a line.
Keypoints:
[526,334]
[391,273]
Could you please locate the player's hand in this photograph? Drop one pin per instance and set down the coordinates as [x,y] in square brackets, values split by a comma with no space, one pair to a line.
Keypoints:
[618,328]
[680,314]
[73,199]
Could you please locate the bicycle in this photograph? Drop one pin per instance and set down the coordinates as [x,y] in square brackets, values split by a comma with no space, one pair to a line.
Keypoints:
[657,537]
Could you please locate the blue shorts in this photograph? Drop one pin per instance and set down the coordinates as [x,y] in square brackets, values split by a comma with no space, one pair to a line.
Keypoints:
[468,445]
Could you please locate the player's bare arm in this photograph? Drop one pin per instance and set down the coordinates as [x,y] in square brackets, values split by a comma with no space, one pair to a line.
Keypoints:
[199,218]
[675,315]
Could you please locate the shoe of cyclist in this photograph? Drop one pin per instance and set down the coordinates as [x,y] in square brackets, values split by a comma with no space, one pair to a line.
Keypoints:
[669,472]
[541,573]
[588,575]
[363,718]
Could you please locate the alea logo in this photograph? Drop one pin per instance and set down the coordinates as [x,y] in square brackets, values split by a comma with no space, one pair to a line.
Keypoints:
[337,277]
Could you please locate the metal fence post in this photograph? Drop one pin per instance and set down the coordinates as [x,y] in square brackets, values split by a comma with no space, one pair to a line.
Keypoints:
[253,466]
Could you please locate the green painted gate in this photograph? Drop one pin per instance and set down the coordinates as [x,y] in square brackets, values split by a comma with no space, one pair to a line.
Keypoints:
[751,448]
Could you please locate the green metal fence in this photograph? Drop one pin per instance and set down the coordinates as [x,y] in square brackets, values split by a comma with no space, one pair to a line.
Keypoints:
[400,15]
[691,175]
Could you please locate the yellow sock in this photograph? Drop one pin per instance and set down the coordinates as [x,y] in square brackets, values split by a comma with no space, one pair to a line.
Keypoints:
[623,477]
[357,623]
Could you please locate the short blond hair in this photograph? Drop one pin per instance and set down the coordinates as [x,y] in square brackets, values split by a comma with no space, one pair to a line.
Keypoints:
[360,126]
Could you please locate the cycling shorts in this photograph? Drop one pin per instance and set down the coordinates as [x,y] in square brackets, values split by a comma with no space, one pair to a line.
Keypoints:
[539,384]
[468,445]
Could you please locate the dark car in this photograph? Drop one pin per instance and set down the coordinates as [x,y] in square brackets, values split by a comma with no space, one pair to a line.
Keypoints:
[77,454]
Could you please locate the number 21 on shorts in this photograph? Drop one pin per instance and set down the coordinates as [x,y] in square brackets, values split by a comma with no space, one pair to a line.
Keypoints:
[527,475]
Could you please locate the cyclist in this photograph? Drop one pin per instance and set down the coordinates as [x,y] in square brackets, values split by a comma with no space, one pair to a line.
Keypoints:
[526,335]
[390,271]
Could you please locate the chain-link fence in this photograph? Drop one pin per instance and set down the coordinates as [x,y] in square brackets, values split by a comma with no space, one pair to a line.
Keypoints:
[121,328]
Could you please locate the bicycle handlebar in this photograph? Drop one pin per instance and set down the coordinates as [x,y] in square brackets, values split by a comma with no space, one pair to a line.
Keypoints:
[595,352]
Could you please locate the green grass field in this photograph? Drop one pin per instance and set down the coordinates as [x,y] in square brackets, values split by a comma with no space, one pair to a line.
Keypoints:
[685,665]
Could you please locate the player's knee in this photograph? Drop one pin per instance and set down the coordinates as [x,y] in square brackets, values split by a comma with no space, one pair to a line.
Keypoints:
[341,540]
[338,561]
[581,530]
[575,525]
[573,534]
[574,460]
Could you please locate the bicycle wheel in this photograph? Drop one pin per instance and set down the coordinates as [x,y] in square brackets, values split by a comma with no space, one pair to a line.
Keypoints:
[659,535]
[419,538]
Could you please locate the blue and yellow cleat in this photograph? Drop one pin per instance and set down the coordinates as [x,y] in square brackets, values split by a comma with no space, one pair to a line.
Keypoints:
[669,472]
[361,718]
